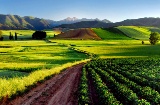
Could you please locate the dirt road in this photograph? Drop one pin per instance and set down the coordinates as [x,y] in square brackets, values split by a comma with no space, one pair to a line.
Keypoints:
[59,90]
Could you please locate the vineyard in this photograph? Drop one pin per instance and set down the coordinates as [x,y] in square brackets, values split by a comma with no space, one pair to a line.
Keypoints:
[132,81]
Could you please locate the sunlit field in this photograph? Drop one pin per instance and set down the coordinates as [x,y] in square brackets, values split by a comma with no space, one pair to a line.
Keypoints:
[25,34]
[116,48]
[24,63]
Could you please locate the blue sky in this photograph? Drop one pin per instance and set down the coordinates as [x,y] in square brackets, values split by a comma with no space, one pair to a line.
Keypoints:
[113,10]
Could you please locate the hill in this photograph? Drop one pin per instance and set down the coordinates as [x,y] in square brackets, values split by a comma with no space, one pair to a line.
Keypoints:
[84,33]
[27,22]
[135,32]
[110,34]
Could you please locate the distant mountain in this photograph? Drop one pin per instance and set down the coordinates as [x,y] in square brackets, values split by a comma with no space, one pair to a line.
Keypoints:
[129,22]
[85,24]
[141,22]
[70,20]
[27,22]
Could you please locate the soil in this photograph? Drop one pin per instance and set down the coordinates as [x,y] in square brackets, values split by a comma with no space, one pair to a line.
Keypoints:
[62,89]
[83,33]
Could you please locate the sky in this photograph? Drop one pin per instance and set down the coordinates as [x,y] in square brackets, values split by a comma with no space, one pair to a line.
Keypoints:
[113,10]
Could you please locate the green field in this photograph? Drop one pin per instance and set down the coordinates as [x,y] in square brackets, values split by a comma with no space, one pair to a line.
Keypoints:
[25,62]
[110,34]
[25,34]
[131,81]
[115,48]
[135,32]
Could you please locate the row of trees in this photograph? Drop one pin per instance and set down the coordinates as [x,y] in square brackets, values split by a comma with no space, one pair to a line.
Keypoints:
[36,35]
[11,36]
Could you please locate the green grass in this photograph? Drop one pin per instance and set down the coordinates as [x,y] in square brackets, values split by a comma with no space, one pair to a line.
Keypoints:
[135,32]
[116,48]
[110,34]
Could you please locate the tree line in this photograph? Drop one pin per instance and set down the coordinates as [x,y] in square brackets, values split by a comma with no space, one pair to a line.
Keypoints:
[36,35]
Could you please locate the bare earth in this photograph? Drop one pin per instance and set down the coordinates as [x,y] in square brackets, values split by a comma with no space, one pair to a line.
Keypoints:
[83,33]
[59,90]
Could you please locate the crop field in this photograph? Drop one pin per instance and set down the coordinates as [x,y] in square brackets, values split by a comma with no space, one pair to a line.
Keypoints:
[136,32]
[133,81]
[110,34]
[24,63]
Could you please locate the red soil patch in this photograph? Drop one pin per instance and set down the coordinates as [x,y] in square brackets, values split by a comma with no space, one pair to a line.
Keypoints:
[84,33]
[62,89]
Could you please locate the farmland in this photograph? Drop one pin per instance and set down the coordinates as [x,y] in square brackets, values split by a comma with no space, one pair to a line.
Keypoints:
[121,70]
[24,63]
[110,34]
[121,81]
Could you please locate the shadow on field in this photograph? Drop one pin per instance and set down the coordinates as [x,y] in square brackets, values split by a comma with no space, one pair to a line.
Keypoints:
[10,74]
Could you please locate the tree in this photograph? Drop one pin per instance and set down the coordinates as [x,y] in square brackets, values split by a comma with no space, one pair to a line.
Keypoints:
[154,38]
[39,35]
[15,36]
[142,42]
[1,37]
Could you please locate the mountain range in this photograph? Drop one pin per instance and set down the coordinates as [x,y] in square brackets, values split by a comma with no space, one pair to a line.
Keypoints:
[34,23]
[155,22]
[29,22]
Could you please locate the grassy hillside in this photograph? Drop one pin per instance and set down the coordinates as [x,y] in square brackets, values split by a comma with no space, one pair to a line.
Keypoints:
[110,34]
[154,29]
[135,32]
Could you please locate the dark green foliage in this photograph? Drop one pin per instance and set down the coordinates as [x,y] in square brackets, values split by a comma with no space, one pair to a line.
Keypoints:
[10,36]
[39,35]
[83,97]
[1,37]
[15,36]
[104,94]
[154,38]
[129,80]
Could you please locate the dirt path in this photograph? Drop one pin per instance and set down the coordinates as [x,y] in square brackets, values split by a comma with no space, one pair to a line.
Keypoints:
[59,90]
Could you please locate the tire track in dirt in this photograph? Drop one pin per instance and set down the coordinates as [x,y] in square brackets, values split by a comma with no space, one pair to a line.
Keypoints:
[62,89]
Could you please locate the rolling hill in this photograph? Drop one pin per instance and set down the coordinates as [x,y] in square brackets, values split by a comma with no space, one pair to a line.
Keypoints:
[110,34]
[84,33]
[135,32]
